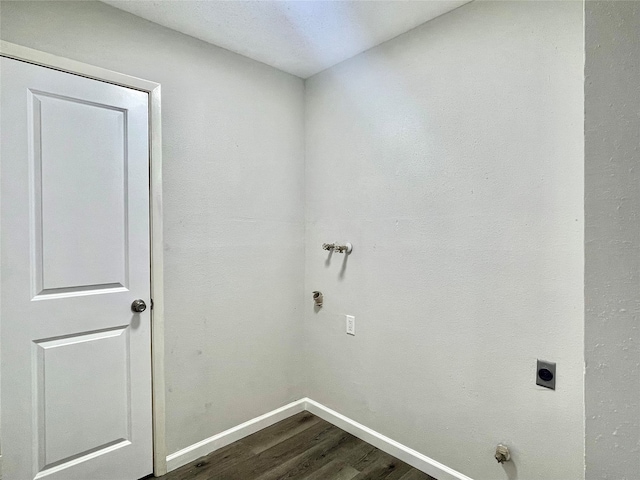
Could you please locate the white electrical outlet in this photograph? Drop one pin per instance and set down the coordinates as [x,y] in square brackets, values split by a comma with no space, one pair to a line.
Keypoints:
[351,324]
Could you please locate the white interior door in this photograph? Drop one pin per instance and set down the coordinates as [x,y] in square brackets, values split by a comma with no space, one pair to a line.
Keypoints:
[74,201]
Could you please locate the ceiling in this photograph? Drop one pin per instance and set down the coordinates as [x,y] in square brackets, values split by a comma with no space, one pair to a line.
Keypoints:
[299,37]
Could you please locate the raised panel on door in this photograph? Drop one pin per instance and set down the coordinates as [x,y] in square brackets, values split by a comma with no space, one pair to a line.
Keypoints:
[80,194]
[85,378]
[74,200]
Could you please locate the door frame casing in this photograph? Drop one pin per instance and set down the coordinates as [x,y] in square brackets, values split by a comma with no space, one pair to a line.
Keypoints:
[36,57]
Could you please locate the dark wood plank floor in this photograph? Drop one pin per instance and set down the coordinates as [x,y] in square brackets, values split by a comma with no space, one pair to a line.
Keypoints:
[300,447]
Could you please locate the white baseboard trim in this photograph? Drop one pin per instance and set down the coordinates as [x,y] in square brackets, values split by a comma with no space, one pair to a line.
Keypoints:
[211,444]
[401,452]
[386,444]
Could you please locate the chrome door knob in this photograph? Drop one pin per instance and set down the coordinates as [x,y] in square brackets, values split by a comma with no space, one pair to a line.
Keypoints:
[138,306]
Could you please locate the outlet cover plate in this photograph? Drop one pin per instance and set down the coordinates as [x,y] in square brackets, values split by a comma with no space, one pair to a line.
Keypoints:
[546,374]
[351,324]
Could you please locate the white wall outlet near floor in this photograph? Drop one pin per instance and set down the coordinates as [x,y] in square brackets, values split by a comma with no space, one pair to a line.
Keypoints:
[351,324]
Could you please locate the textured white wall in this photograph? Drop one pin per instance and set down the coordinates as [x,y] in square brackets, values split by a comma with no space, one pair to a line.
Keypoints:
[612,240]
[452,158]
[233,195]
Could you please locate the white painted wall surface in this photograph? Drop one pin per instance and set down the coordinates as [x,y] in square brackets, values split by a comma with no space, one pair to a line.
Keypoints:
[612,240]
[233,196]
[452,158]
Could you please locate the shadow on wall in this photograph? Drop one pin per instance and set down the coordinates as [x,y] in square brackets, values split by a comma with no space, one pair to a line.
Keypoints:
[511,470]
[327,262]
[343,269]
